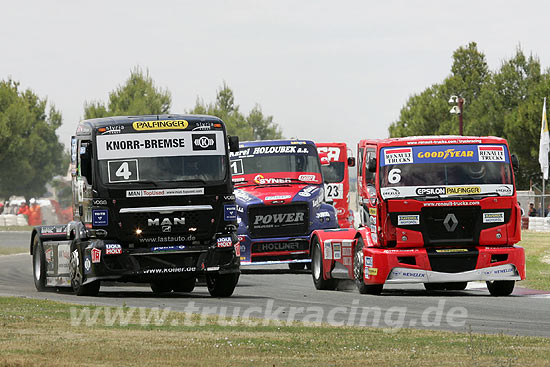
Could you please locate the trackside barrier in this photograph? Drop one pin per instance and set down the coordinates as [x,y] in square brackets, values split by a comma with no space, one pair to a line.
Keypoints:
[13,220]
[539,224]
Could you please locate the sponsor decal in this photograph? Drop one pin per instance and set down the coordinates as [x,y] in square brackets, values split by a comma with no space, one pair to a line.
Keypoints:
[491,153]
[340,211]
[52,230]
[461,190]
[374,238]
[160,125]
[446,250]
[279,246]
[238,248]
[318,200]
[113,249]
[388,193]
[100,217]
[243,196]
[372,211]
[117,129]
[203,126]
[493,217]
[334,191]
[48,254]
[328,250]
[453,203]
[229,197]
[224,242]
[229,212]
[430,191]
[346,251]
[448,153]
[323,215]
[410,274]
[260,179]
[337,251]
[373,219]
[373,271]
[347,261]
[167,248]
[265,221]
[96,255]
[204,142]
[281,149]
[164,192]
[398,156]
[504,190]
[307,178]
[278,197]
[408,220]
[99,202]
[333,153]
[87,265]
[240,209]
[165,222]
[169,270]
[307,191]
[368,261]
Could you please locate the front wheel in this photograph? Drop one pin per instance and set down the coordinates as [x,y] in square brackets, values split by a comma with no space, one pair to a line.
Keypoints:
[317,270]
[500,288]
[358,272]
[77,277]
[222,285]
[39,265]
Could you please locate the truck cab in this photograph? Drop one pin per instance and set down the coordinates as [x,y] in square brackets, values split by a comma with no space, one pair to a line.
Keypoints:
[336,178]
[280,197]
[441,211]
[152,202]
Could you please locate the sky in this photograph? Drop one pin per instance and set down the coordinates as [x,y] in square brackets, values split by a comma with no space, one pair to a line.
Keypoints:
[325,70]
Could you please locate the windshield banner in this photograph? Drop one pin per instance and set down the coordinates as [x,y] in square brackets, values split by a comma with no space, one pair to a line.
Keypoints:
[443,154]
[163,144]
[444,191]
[270,150]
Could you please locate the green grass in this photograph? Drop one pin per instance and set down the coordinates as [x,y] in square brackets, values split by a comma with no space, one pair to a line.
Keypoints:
[36,332]
[15,228]
[537,258]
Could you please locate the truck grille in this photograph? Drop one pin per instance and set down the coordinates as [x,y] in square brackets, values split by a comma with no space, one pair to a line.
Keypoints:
[451,225]
[278,220]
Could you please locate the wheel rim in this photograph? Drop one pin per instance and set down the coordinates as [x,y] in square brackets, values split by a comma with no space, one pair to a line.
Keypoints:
[316,264]
[76,277]
[358,266]
[37,267]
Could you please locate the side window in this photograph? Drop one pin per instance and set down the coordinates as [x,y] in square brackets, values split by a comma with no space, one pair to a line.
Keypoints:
[370,177]
[85,161]
[360,162]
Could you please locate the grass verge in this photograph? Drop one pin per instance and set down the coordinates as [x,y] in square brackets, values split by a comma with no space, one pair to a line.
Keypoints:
[36,332]
[537,259]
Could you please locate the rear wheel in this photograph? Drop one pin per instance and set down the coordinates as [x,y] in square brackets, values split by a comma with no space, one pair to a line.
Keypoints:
[77,276]
[39,265]
[358,272]
[317,270]
[499,288]
[222,285]
[184,285]
[161,287]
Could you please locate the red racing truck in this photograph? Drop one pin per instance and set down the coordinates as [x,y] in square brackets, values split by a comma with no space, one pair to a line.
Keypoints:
[441,211]
[336,178]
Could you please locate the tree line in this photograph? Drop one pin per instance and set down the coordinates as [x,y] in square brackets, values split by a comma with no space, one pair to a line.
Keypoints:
[506,103]
[30,151]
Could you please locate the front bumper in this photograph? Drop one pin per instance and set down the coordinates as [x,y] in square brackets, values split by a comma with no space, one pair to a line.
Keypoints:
[273,251]
[406,275]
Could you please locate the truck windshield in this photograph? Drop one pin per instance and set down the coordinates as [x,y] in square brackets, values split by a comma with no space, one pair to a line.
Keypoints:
[276,164]
[334,172]
[445,170]
[162,157]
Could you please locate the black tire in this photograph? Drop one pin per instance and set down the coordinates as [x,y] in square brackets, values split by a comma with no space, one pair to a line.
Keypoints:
[76,267]
[317,269]
[501,288]
[434,286]
[184,285]
[222,285]
[358,270]
[296,266]
[161,287]
[39,265]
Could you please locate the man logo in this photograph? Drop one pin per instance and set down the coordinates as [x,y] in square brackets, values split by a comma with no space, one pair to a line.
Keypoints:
[450,222]
[204,142]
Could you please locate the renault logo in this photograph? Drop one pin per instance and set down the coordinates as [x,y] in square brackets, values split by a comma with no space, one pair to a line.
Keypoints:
[450,222]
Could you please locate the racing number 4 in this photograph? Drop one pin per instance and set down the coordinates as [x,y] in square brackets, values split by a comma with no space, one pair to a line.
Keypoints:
[123,171]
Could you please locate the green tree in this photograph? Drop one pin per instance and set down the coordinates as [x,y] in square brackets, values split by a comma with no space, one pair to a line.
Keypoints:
[30,151]
[255,126]
[137,96]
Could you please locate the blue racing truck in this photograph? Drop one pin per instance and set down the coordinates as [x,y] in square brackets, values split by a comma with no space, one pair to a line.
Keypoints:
[280,200]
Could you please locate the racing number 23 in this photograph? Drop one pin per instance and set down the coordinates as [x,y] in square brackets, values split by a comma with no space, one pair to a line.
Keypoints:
[123,171]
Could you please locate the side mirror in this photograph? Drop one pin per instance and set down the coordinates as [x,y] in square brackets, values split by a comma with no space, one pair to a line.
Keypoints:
[515,162]
[233,143]
[323,158]
[371,165]
[351,161]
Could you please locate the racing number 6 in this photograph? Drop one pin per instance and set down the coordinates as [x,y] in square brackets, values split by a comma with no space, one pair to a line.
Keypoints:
[394,176]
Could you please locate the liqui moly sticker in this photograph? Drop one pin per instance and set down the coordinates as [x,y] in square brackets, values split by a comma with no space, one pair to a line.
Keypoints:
[224,242]
[113,249]
[398,156]
[96,255]
[494,153]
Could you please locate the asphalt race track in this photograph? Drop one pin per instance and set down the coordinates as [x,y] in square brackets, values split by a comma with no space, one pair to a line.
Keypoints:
[292,297]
